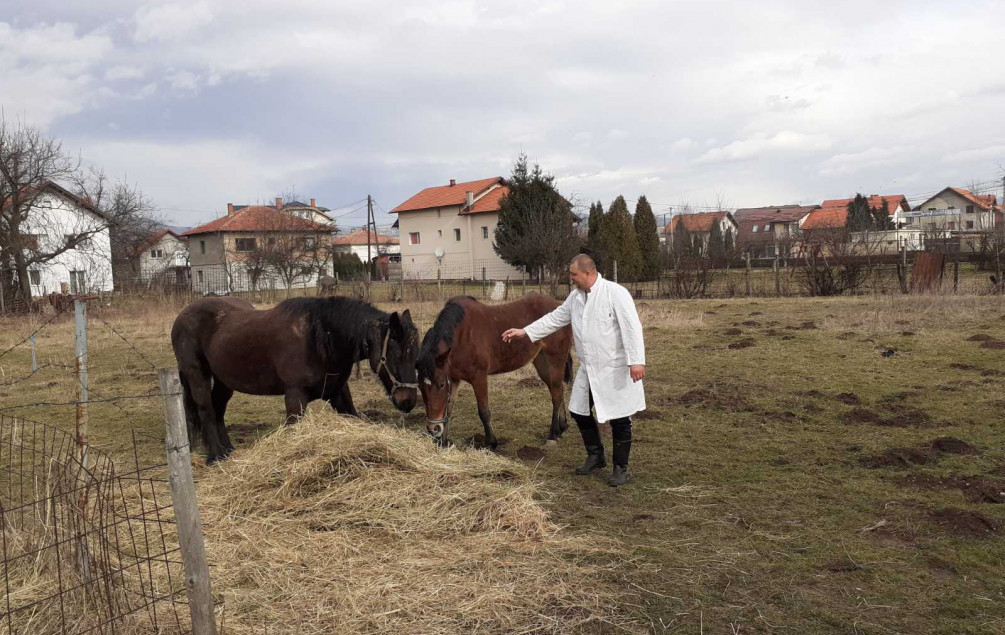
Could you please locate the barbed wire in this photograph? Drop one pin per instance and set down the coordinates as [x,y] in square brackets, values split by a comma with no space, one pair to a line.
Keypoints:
[131,345]
[77,402]
[34,333]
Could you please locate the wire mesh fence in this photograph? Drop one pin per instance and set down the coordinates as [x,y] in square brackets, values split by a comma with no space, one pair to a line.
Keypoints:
[88,547]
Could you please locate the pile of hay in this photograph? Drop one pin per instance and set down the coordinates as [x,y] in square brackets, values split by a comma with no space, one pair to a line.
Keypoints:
[337,525]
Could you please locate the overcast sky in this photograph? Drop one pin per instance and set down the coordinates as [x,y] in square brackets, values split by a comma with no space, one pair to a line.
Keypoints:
[208,102]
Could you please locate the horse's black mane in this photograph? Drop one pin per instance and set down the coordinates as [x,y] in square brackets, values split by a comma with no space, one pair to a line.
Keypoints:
[336,316]
[442,330]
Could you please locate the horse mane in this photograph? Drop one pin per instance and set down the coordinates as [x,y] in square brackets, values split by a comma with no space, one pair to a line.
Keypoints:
[332,319]
[442,330]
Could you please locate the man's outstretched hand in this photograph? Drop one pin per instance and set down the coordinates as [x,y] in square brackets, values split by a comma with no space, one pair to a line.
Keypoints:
[513,334]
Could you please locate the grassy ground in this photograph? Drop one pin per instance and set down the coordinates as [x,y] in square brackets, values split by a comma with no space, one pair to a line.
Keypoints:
[792,473]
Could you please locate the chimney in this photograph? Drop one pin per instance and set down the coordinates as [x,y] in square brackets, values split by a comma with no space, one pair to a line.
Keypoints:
[230,209]
[453,182]
[313,203]
[279,204]
[469,199]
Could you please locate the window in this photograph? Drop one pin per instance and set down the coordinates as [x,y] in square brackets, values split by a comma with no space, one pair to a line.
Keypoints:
[244,244]
[202,246]
[485,233]
[35,277]
[309,242]
[754,230]
[439,233]
[198,275]
[413,238]
[457,235]
[970,224]
[970,209]
[156,253]
[767,227]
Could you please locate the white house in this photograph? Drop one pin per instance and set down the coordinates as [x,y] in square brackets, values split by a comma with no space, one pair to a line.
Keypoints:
[163,258]
[356,243]
[56,215]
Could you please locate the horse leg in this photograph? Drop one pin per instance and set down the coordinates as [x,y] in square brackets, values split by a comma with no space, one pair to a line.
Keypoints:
[481,386]
[198,382]
[341,401]
[551,371]
[221,396]
[296,402]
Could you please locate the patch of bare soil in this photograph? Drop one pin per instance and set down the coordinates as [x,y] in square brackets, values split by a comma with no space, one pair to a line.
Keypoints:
[908,333]
[961,522]
[848,398]
[746,342]
[952,445]
[530,382]
[905,417]
[732,332]
[530,453]
[842,565]
[861,415]
[771,333]
[847,335]
[980,337]
[897,457]
[648,415]
[756,313]
[808,326]
[901,322]
[811,393]
[963,366]
[751,323]
[976,489]
[720,397]
[994,344]
[788,337]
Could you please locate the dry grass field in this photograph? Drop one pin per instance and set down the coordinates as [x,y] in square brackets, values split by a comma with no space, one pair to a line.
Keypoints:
[805,465]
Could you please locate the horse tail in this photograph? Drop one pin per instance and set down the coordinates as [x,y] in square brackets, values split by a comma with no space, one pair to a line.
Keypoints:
[568,368]
[193,424]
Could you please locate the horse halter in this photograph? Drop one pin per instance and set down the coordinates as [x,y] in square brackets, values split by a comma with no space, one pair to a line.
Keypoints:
[440,425]
[383,364]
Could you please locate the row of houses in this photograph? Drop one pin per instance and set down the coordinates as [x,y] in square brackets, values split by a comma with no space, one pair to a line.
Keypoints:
[954,214]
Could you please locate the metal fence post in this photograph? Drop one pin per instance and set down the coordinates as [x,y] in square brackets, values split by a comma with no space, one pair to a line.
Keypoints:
[484,283]
[748,273]
[778,279]
[190,539]
[615,278]
[523,283]
[80,352]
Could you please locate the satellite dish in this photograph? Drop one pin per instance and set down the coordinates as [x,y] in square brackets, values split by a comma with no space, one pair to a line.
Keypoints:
[438,252]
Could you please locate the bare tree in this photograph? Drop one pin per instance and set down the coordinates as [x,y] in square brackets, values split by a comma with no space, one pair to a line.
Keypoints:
[832,263]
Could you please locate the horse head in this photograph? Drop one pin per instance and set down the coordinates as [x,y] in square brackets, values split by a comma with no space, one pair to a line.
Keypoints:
[393,345]
[437,389]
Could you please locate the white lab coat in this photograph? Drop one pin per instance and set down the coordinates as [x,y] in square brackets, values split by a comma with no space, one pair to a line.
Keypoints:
[608,337]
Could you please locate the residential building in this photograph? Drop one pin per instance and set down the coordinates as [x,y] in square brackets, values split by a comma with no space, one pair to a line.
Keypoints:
[358,242]
[163,259]
[57,216]
[257,246]
[701,224]
[312,212]
[956,211]
[767,231]
[833,214]
[448,231]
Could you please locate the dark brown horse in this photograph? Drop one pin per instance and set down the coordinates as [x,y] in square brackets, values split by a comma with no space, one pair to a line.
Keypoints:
[465,344]
[304,348]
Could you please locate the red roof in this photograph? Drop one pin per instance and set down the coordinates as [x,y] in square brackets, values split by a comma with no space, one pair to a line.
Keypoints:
[701,222]
[986,201]
[446,195]
[833,213]
[489,202]
[258,218]
[358,237]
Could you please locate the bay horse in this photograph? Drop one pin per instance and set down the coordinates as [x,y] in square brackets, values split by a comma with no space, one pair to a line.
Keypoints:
[465,344]
[303,348]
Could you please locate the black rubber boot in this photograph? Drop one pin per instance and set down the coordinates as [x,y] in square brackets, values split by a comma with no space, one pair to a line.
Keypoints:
[594,446]
[621,430]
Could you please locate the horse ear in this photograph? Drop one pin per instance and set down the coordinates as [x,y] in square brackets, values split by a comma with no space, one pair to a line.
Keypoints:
[442,350]
[397,330]
[406,316]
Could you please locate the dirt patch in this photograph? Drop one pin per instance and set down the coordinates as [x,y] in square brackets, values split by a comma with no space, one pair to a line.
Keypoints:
[811,393]
[952,445]
[648,415]
[478,441]
[847,335]
[991,373]
[756,313]
[961,522]
[980,337]
[746,342]
[751,323]
[374,414]
[897,457]
[703,347]
[721,398]
[530,382]
[772,333]
[848,398]
[905,417]
[807,326]
[842,565]
[995,345]
[788,337]
[732,332]
[861,415]
[530,453]
[964,367]
[908,333]
[901,322]
[975,489]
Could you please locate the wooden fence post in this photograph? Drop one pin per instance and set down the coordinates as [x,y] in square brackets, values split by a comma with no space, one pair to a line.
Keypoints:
[778,279]
[190,539]
[748,273]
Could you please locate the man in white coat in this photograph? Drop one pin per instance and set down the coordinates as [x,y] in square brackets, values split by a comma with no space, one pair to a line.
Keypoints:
[612,361]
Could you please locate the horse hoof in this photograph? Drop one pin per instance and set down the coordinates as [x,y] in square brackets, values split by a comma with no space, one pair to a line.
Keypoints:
[551,442]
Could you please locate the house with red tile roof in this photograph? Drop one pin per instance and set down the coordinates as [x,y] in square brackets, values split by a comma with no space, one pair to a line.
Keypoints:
[228,254]
[833,213]
[449,230]
[700,224]
[357,242]
[767,231]
[958,212]
[162,258]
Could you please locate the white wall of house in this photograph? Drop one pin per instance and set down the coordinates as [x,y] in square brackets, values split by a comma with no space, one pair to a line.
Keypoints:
[84,269]
[168,253]
[948,211]
[890,242]
[360,250]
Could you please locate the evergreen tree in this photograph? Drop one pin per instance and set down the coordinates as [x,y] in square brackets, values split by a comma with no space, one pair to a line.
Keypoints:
[647,239]
[728,246]
[536,227]
[594,237]
[881,216]
[716,249]
[680,242]
[860,216]
[619,243]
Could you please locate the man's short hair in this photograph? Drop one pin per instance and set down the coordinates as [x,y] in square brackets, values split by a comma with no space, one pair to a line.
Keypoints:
[584,263]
